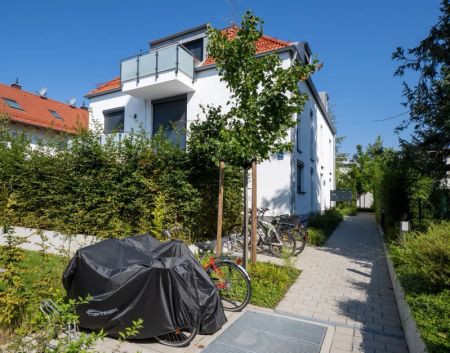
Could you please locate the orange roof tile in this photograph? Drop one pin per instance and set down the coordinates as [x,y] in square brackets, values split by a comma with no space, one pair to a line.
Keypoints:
[106,86]
[264,44]
[36,111]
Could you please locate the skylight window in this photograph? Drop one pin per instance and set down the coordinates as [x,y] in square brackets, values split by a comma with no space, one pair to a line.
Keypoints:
[55,114]
[12,103]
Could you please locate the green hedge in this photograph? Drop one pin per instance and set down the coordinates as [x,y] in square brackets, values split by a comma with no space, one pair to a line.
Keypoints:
[422,264]
[111,189]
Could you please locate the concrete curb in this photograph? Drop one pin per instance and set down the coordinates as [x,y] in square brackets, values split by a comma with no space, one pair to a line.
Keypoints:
[412,334]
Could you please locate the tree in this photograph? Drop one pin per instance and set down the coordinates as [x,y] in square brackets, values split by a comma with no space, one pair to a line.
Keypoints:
[429,100]
[264,97]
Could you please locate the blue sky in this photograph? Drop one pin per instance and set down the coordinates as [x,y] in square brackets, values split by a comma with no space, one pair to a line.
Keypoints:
[70,46]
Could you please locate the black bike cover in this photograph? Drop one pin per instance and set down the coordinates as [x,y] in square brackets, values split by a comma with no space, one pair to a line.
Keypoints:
[139,277]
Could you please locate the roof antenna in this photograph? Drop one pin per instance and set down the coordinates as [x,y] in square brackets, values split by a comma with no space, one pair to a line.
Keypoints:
[72,101]
[42,93]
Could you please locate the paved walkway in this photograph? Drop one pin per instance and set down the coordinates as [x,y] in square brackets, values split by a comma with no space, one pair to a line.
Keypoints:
[346,283]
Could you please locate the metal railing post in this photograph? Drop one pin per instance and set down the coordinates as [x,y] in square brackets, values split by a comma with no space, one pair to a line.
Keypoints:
[156,68]
[176,63]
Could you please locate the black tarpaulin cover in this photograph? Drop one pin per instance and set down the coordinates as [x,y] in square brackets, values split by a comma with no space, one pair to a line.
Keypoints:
[139,277]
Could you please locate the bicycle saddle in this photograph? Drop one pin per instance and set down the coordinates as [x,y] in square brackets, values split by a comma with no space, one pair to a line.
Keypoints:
[205,246]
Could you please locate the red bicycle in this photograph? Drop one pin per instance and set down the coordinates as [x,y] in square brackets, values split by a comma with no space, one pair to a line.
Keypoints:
[229,277]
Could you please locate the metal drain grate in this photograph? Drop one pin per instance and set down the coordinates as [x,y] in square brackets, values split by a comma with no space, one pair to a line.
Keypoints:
[256,332]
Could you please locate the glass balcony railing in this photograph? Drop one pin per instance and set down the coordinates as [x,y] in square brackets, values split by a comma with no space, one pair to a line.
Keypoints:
[171,58]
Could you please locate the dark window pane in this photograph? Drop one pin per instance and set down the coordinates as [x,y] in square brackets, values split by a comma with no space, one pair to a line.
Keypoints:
[299,177]
[196,48]
[114,121]
[12,103]
[171,116]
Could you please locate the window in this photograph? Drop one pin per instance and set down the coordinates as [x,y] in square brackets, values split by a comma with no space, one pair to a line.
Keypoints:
[312,137]
[12,103]
[299,147]
[114,120]
[300,167]
[55,114]
[195,47]
[170,115]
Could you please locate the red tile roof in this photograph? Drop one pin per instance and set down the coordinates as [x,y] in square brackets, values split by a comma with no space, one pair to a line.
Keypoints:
[36,111]
[105,87]
[264,44]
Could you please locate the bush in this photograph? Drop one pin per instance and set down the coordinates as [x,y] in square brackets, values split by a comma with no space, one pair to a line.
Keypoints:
[423,261]
[111,189]
[347,209]
[327,221]
[422,264]
[432,315]
[316,237]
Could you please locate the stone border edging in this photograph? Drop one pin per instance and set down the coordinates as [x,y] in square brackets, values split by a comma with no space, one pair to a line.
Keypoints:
[412,334]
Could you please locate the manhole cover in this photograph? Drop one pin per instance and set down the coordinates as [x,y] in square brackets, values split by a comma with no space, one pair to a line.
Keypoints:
[268,333]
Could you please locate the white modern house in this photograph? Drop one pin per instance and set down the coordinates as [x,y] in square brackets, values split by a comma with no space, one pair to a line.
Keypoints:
[166,86]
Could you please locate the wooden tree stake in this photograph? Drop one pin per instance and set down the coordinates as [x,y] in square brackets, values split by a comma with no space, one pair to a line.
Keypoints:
[220,209]
[254,213]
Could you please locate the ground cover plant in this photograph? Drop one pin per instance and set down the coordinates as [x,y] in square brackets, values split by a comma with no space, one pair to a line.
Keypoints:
[422,263]
[270,283]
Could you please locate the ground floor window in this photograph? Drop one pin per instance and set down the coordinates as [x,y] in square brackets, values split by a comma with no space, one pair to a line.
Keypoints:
[114,120]
[300,177]
[170,115]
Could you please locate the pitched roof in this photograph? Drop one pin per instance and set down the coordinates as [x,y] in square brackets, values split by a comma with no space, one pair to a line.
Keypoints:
[264,44]
[36,111]
[112,85]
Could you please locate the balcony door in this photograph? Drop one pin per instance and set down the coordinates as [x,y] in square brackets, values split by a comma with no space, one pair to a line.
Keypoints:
[170,114]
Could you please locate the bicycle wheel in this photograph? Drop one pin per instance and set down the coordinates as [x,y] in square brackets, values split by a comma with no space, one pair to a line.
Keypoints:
[233,284]
[285,243]
[300,236]
[178,338]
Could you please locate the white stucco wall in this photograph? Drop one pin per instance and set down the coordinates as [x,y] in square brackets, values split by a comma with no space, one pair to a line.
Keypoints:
[34,133]
[277,188]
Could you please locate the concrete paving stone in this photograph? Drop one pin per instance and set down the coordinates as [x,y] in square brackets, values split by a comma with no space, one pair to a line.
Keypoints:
[341,345]
[396,349]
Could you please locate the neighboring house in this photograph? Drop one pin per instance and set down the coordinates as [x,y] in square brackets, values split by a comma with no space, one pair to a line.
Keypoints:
[166,86]
[39,116]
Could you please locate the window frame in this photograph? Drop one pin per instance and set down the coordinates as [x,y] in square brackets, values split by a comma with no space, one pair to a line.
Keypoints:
[55,114]
[113,111]
[17,106]
[299,180]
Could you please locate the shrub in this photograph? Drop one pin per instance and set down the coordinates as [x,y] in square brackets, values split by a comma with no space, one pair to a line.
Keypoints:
[422,264]
[432,315]
[111,188]
[423,261]
[316,237]
[327,221]
[347,209]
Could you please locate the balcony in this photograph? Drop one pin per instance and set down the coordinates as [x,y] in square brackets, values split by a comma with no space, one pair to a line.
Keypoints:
[160,73]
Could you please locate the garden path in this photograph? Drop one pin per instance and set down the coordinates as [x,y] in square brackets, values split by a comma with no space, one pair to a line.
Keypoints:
[346,284]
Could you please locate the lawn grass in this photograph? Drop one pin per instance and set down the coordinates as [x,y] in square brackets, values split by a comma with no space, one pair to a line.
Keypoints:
[35,268]
[270,283]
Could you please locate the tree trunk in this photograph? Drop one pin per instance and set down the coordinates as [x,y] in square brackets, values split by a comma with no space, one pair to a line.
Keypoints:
[254,213]
[245,225]
[220,210]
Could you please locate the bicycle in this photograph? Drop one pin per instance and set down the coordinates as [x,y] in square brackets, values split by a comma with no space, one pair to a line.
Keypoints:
[293,223]
[279,240]
[228,276]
